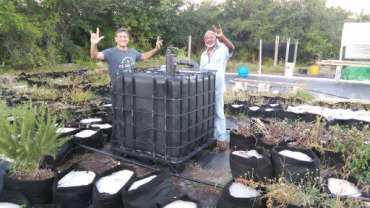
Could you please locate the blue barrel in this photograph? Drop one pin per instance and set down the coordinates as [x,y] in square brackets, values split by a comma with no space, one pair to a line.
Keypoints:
[243,71]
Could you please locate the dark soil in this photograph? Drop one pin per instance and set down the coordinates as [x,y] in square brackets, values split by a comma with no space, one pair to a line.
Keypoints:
[41,174]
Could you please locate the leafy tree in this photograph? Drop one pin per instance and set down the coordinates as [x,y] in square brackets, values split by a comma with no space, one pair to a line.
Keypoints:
[20,37]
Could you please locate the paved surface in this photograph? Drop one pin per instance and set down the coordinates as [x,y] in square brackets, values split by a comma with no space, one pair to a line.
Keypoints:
[323,86]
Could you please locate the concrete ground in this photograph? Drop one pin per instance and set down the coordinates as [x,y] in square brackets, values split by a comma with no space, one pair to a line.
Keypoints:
[325,87]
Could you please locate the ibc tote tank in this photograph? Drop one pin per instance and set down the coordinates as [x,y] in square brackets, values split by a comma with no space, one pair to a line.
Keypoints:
[163,116]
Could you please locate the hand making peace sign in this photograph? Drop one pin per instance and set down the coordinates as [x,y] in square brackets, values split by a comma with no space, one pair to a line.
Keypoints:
[159,43]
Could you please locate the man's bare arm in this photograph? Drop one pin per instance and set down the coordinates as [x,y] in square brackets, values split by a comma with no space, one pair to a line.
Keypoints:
[94,40]
[150,53]
[220,35]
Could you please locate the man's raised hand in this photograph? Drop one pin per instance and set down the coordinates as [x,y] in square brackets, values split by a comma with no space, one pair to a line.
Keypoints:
[159,43]
[218,31]
[94,37]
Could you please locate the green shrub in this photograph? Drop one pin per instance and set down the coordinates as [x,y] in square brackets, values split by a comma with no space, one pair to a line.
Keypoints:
[29,137]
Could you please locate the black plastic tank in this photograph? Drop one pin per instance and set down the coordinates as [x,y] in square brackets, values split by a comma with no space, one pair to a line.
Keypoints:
[163,116]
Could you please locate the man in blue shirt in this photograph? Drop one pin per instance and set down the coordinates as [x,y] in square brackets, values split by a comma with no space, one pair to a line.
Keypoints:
[119,58]
[215,57]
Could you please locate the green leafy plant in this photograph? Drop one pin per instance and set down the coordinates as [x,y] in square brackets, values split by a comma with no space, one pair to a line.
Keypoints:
[28,137]
[296,194]
[78,96]
[354,144]
[69,80]
[342,203]
[98,77]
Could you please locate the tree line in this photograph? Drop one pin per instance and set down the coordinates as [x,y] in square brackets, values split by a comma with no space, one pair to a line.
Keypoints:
[36,33]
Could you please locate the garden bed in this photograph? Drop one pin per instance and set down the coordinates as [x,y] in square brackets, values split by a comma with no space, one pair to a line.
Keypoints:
[341,146]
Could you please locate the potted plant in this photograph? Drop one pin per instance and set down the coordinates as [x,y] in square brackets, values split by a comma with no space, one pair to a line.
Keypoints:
[26,140]
[291,195]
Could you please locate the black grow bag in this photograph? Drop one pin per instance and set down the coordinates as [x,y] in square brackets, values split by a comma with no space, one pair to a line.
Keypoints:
[254,113]
[352,179]
[3,167]
[37,192]
[333,158]
[47,206]
[293,170]
[96,140]
[184,197]
[62,155]
[268,113]
[156,192]
[227,201]
[348,122]
[282,114]
[13,197]
[105,200]
[252,168]
[72,197]
[107,132]
[236,108]
[240,141]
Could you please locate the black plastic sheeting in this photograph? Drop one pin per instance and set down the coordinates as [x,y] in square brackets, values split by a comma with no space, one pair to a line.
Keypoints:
[163,116]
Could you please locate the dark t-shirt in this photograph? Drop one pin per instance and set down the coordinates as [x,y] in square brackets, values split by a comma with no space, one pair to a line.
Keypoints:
[120,61]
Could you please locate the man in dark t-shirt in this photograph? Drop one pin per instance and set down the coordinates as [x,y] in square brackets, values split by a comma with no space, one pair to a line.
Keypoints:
[119,58]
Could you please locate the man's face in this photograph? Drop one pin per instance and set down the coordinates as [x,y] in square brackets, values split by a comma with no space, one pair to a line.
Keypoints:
[122,39]
[210,40]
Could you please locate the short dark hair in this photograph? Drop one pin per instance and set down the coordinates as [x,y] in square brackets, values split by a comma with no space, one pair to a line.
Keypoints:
[120,30]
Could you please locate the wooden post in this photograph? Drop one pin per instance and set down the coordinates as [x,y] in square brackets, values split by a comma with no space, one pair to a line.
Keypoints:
[260,61]
[295,53]
[338,70]
[287,51]
[276,51]
[189,47]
